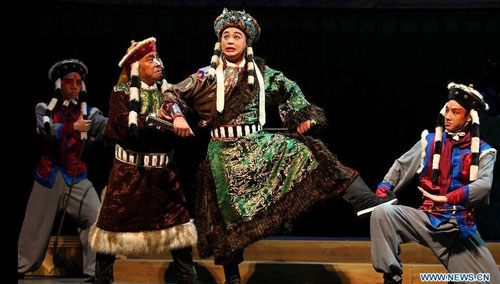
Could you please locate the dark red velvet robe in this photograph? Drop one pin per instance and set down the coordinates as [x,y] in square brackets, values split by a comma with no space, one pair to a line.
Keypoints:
[146,201]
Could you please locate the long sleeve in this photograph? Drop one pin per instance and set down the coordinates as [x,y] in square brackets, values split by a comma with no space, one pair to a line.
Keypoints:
[57,130]
[404,168]
[194,92]
[185,91]
[178,93]
[293,106]
[476,193]
[98,124]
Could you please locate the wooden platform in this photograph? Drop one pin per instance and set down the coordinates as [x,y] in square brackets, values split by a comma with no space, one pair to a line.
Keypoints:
[267,261]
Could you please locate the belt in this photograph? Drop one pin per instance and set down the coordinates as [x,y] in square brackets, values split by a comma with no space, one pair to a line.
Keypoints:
[234,131]
[146,160]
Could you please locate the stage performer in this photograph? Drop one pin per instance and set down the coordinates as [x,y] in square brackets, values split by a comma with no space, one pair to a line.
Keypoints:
[66,125]
[253,180]
[143,208]
[454,169]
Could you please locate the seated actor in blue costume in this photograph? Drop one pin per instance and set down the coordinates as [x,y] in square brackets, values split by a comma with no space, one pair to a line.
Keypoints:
[254,180]
[454,169]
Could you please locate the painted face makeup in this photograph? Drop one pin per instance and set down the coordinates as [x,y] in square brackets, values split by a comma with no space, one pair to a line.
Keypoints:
[455,116]
[233,44]
[71,85]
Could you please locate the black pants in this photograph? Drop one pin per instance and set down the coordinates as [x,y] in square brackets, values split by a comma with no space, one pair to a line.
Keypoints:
[183,263]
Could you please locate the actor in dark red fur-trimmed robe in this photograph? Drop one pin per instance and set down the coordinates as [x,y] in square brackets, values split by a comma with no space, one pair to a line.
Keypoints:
[143,209]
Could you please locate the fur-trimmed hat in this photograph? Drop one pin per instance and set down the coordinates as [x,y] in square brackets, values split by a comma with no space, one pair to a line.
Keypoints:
[56,73]
[248,25]
[472,101]
[137,50]
[238,19]
[63,67]
[466,96]
[130,64]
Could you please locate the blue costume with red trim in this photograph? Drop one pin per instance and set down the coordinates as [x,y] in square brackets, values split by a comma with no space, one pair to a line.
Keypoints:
[458,187]
[458,190]
[61,153]
[455,164]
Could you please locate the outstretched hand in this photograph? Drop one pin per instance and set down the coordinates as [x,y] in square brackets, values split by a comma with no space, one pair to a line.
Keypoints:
[304,127]
[436,199]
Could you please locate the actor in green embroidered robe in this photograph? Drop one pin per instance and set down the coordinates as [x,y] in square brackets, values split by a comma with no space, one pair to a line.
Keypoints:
[253,180]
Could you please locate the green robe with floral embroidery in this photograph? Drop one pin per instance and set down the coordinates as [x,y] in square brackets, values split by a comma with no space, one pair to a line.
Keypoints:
[256,182]
[254,171]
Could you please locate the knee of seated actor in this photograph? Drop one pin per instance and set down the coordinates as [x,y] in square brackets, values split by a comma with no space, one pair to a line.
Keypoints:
[382,211]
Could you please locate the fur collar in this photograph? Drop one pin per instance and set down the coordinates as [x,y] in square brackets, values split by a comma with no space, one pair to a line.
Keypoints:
[239,98]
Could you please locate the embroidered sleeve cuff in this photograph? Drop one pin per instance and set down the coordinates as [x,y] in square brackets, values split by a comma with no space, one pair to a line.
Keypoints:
[383,188]
[458,196]
[310,112]
[173,110]
[384,185]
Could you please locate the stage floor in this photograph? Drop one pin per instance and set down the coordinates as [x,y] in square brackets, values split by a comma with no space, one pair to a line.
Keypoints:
[59,280]
[50,280]
[273,260]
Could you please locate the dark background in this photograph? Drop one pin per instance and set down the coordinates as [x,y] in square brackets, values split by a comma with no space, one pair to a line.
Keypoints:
[378,68]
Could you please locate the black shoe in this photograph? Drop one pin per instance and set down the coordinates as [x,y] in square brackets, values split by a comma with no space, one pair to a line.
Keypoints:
[20,275]
[363,199]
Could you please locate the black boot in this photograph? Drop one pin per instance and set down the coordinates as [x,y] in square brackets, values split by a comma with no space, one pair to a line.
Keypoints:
[104,268]
[88,279]
[392,278]
[363,199]
[184,266]
[232,274]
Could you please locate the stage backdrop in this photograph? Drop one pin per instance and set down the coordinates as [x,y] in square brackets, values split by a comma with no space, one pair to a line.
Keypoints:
[380,72]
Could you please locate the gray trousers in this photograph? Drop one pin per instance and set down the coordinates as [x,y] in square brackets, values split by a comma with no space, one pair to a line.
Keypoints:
[392,225]
[43,205]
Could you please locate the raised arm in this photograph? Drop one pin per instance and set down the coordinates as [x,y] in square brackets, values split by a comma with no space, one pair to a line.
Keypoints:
[294,109]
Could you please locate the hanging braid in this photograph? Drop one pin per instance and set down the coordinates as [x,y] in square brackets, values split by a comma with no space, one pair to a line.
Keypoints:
[474,148]
[134,101]
[52,105]
[250,65]
[214,62]
[438,145]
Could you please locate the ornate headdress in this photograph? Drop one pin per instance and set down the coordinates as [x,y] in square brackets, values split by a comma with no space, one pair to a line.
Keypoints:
[130,64]
[58,71]
[472,101]
[247,24]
